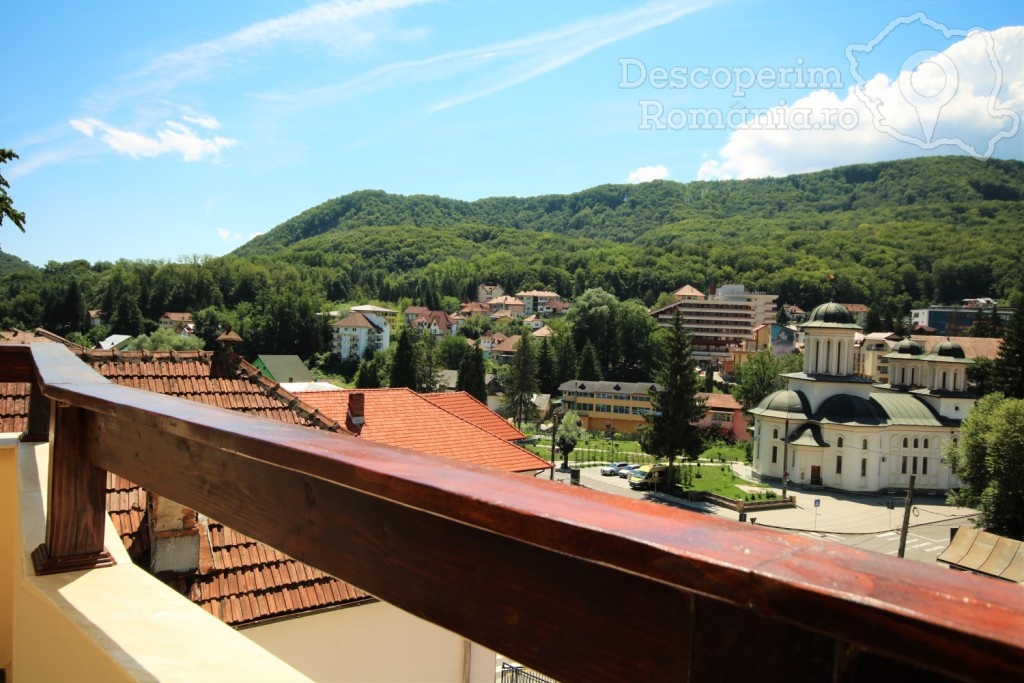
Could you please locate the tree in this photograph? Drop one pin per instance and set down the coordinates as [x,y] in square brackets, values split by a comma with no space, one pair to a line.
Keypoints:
[566,361]
[547,365]
[521,383]
[164,339]
[472,378]
[368,374]
[590,364]
[1008,373]
[671,427]
[6,203]
[451,350]
[989,459]
[403,365]
[568,433]
[757,377]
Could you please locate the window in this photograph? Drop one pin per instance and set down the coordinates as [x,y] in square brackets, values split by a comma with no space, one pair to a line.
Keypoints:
[863,467]
[914,466]
[903,467]
[621,410]
[775,453]
[906,442]
[721,417]
[603,408]
[864,445]
[915,444]
[926,444]
[839,442]
[924,465]
[775,435]
[839,464]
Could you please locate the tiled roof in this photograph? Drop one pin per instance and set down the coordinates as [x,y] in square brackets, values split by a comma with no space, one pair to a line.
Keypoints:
[720,401]
[543,332]
[13,407]
[405,419]
[507,345]
[687,290]
[536,292]
[239,580]
[461,404]
[178,317]
[974,347]
[356,320]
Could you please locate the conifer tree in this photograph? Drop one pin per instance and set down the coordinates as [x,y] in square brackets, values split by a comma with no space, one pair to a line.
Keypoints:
[403,366]
[590,364]
[671,427]
[521,383]
[472,378]
[1008,374]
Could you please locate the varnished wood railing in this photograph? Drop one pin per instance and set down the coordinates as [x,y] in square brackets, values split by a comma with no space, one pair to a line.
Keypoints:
[574,583]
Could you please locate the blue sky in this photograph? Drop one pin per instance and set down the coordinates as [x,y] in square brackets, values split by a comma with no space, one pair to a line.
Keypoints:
[165,130]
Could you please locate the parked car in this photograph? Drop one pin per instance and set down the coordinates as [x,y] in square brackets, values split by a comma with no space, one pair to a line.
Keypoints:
[613,468]
[626,471]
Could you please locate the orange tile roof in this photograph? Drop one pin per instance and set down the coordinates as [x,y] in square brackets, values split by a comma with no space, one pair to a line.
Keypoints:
[461,404]
[239,580]
[405,419]
[13,407]
[974,347]
[720,401]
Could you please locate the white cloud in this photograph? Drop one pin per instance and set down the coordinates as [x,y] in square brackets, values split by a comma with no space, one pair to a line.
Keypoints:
[174,138]
[646,174]
[226,235]
[825,129]
[203,120]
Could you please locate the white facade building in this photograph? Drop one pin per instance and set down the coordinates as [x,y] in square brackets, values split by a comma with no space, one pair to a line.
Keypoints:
[834,428]
[351,336]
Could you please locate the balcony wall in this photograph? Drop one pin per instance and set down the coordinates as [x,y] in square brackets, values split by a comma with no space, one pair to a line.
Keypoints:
[112,624]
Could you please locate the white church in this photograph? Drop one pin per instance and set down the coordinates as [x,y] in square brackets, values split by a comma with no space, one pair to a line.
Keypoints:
[835,429]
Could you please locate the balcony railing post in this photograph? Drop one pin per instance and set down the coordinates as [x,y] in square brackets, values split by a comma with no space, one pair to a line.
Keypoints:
[76,505]
[38,413]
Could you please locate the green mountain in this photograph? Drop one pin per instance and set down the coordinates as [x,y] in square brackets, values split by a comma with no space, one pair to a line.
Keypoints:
[12,264]
[930,229]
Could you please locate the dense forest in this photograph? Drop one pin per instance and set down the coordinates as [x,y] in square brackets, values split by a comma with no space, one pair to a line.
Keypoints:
[895,235]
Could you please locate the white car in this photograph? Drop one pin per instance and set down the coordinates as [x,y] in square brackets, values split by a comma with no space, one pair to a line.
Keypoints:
[613,468]
[625,471]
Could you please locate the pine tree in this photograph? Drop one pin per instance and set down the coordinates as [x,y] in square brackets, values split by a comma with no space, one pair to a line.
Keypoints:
[567,364]
[546,367]
[590,364]
[1008,373]
[472,378]
[368,374]
[521,383]
[403,366]
[671,427]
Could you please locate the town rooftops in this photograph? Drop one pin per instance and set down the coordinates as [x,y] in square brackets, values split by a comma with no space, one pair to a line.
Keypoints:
[284,368]
[357,320]
[461,404]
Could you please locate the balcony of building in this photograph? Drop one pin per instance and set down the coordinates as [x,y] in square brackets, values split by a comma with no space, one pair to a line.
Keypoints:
[545,573]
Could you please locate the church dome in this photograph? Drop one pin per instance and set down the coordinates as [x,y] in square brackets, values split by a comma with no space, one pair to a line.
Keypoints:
[949,349]
[909,347]
[783,401]
[830,315]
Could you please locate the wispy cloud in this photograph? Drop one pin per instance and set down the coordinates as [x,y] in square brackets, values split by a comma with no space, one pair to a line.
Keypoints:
[227,235]
[175,137]
[490,68]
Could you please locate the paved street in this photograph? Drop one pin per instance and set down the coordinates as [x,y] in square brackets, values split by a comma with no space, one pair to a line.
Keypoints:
[860,521]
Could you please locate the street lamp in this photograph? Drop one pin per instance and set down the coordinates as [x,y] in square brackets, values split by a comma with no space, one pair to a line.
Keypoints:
[556,417]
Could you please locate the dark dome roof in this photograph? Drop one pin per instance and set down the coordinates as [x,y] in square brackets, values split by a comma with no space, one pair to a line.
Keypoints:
[847,408]
[909,347]
[831,313]
[783,401]
[949,349]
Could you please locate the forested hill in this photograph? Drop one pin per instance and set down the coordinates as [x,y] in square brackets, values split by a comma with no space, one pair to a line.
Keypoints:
[927,229]
[12,264]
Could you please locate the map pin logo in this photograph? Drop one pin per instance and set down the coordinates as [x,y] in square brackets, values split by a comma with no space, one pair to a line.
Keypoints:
[928,81]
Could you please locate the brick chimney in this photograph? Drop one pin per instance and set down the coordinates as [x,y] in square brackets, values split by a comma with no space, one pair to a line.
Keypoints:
[356,410]
[173,536]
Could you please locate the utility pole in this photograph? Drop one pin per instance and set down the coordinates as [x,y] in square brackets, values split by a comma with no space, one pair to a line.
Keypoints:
[906,515]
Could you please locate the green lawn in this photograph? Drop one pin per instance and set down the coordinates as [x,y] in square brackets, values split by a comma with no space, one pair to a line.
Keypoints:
[719,479]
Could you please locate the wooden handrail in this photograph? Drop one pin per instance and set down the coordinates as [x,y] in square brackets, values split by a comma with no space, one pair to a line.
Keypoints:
[577,584]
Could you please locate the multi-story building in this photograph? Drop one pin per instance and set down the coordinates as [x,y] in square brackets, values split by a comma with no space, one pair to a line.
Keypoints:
[608,405]
[537,302]
[955,320]
[353,335]
[726,317]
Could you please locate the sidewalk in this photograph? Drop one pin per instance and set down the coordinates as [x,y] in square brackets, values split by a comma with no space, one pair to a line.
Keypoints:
[844,513]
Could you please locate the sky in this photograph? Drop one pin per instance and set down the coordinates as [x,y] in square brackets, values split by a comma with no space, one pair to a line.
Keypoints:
[168,130]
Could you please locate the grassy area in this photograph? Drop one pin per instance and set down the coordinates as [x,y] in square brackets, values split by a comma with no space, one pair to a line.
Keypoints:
[596,450]
[719,479]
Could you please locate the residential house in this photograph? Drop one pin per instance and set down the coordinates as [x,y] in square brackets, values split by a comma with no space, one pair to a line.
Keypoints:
[534,322]
[724,412]
[501,353]
[487,342]
[114,341]
[506,305]
[474,308]
[435,323]
[834,428]
[176,322]
[536,302]
[286,368]
[725,318]
[414,312]
[95,317]
[355,334]
[485,293]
